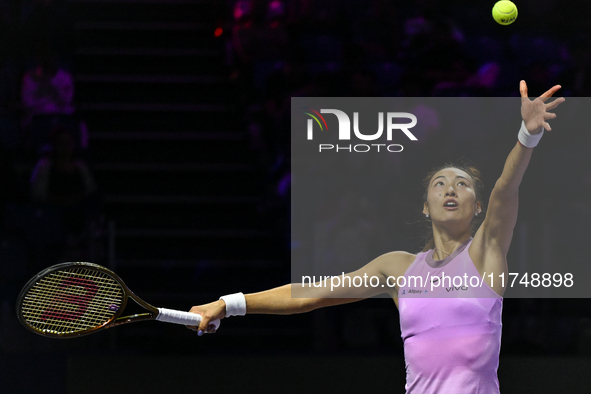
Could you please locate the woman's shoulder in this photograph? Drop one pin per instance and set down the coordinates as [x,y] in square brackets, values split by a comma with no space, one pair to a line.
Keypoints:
[395,263]
[399,255]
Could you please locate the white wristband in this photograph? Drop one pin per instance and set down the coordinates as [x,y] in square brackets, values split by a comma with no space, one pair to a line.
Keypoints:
[235,304]
[528,140]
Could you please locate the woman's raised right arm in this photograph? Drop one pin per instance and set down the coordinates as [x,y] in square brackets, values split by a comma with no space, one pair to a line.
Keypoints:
[279,300]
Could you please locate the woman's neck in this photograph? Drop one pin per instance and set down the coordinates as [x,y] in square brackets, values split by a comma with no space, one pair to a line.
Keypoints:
[446,244]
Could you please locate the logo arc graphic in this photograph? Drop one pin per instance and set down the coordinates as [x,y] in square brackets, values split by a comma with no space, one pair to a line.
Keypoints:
[316,119]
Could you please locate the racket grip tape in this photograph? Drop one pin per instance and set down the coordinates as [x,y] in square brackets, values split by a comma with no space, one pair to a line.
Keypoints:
[181,317]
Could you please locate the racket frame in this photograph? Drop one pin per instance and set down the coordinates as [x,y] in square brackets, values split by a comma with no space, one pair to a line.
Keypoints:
[115,320]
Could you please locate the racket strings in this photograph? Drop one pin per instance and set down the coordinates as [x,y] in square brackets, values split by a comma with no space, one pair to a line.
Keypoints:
[72,300]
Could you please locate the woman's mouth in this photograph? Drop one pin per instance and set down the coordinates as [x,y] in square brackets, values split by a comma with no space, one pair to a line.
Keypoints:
[450,205]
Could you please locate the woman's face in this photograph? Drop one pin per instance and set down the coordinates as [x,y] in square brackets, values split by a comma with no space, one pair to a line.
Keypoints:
[451,197]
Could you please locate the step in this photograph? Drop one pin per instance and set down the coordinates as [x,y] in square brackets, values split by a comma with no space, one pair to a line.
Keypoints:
[214,218]
[291,333]
[171,168]
[149,79]
[170,151]
[158,26]
[194,180]
[149,60]
[179,91]
[144,10]
[191,244]
[170,284]
[135,121]
[167,199]
[115,136]
[179,233]
[143,2]
[141,35]
[221,264]
[153,107]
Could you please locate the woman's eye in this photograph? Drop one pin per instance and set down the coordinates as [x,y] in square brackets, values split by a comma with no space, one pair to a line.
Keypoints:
[462,183]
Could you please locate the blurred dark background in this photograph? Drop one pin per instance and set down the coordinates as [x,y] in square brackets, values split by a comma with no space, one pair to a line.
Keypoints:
[152,137]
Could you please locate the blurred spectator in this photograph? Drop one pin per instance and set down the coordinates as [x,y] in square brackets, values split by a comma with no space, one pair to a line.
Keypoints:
[47,101]
[65,184]
[259,33]
[47,89]
[243,34]
[60,179]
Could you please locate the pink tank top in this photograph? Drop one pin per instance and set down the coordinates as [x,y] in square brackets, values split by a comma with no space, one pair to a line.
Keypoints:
[452,335]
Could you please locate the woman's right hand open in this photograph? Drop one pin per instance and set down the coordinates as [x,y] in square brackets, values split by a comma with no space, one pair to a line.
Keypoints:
[209,313]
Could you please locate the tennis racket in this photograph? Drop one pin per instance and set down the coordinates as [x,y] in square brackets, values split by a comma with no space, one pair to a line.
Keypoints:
[73,299]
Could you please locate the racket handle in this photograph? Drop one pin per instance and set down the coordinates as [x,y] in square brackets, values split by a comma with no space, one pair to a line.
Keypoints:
[181,317]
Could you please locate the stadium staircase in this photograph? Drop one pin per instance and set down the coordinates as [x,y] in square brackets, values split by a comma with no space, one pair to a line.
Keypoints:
[171,157]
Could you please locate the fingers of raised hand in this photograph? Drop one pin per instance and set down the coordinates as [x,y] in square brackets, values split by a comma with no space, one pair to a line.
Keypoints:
[523,89]
[554,103]
[536,111]
[546,116]
[550,115]
[546,95]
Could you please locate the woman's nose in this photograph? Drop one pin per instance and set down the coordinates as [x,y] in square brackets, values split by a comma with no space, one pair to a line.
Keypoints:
[450,192]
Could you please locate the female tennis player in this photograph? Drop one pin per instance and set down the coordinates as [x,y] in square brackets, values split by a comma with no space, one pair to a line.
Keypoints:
[451,339]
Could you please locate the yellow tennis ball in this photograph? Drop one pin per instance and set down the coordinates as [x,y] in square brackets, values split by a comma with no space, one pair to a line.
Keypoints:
[504,12]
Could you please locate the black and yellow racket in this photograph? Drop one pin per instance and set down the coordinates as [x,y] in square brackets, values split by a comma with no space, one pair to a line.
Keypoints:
[73,299]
